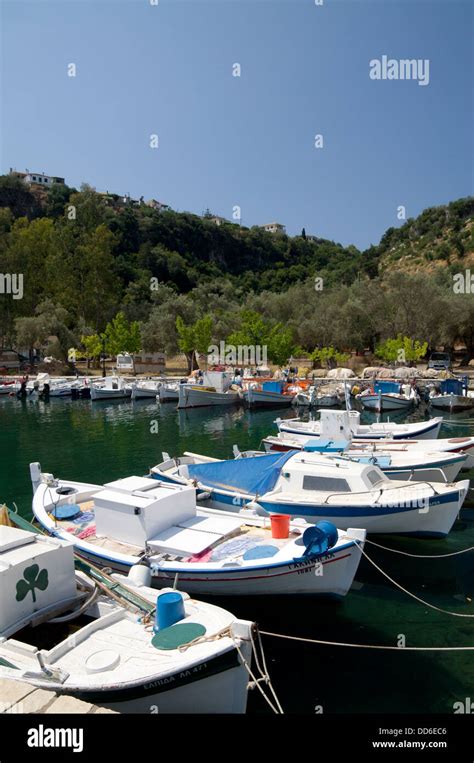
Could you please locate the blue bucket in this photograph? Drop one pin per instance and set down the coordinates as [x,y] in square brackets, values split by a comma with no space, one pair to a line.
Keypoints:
[320,538]
[169,610]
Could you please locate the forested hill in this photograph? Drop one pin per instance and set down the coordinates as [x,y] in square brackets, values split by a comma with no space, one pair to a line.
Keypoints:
[184,249]
[441,237]
[83,257]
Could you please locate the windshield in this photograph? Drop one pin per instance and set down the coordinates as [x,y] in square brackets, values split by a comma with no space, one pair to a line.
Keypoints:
[439,356]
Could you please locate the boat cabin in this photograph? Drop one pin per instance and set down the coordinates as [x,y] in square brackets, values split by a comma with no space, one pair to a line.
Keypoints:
[307,473]
[36,578]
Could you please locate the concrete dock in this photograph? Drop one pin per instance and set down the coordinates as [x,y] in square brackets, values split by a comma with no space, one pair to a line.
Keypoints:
[21,697]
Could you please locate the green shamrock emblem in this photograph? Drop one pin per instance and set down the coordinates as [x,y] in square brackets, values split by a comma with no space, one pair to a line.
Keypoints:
[33,578]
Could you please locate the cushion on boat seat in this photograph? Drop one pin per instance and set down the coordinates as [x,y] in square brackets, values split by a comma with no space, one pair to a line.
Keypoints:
[182,541]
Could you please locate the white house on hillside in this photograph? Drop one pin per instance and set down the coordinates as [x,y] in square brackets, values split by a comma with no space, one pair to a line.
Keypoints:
[274,228]
[37,178]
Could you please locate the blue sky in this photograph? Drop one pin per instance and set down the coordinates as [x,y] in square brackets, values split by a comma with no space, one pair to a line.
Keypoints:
[249,141]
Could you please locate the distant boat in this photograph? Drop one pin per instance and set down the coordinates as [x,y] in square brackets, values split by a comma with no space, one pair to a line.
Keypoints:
[395,461]
[269,394]
[215,388]
[388,396]
[9,387]
[330,423]
[145,389]
[116,658]
[205,550]
[111,388]
[168,392]
[414,449]
[452,395]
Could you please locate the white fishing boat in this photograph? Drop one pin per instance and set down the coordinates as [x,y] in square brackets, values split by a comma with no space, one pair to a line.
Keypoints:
[268,394]
[388,396]
[396,462]
[111,388]
[330,423]
[145,389]
[207,551]
[189,660]
[168,392]
[59,389]
[449,445]
[318,488]
[452,395]
[215,388]
[9,387]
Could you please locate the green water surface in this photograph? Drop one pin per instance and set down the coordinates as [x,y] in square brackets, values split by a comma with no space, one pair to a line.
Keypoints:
[102,441]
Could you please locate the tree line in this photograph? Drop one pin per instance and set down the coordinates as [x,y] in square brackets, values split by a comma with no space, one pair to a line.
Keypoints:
[173,279]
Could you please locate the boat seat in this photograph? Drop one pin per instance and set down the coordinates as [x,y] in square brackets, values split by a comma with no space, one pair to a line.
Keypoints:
[193,535]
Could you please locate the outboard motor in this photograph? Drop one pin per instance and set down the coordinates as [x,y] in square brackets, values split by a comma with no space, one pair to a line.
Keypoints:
[319,538]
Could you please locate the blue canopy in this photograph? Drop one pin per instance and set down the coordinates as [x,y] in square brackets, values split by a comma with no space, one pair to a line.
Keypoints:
[454,386]
[386,386]
[255,474]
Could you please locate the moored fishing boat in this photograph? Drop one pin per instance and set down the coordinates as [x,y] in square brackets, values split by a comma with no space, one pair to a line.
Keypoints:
[396,462]
[146,388]
[215,388]
[9,387]
[102,646]
[208,551]
[417,448]
[111,388]
[268,394]
[320,488]
[168,392]
[388,396]
[330,423]
[452,395]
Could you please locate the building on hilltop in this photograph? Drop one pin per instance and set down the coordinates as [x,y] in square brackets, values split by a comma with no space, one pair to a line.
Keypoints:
[274,228]
[158,205]
[37,178]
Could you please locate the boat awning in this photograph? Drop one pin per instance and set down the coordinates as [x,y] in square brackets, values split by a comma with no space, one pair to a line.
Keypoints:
[257,474]
[454,386]
[386,387]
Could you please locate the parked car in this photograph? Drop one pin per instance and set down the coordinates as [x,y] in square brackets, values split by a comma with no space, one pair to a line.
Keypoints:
[440,361]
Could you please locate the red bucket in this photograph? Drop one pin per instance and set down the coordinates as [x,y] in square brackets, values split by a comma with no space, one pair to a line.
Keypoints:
[280,524]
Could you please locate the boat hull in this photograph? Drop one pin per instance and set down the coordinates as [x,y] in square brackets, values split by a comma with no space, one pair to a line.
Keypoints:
[385,402]
[140,393]
[193,397]
[452,403]
[109,394]
[433,520]
[217,684]
[264,399]
[428,430]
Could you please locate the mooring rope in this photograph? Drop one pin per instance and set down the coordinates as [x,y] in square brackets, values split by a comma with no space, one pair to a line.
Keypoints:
[414,596]
[371,646]
[420,556]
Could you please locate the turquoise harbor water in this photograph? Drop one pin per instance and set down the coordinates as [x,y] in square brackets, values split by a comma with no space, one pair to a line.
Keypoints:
[100,442]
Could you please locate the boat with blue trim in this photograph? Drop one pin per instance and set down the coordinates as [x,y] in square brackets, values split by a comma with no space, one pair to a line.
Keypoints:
[452,395]
[142,520]
[396,460]
[318,487]
[347,424]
